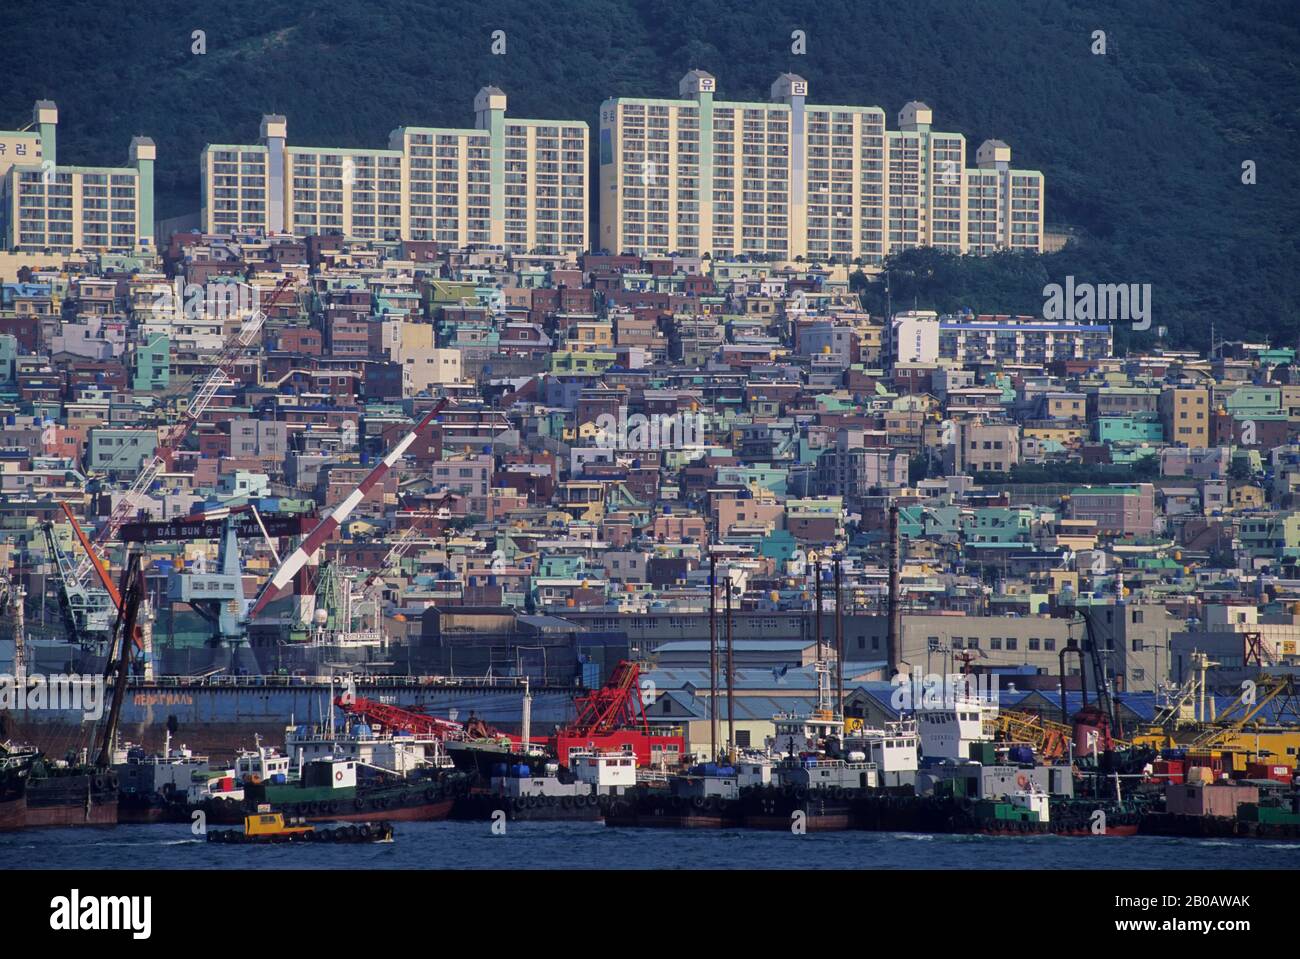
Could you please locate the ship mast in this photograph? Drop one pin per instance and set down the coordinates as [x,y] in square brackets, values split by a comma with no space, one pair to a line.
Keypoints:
[839,642]
[731,676]
[527,725]
[17,596]
[823,668]
[713,658]
[894,627]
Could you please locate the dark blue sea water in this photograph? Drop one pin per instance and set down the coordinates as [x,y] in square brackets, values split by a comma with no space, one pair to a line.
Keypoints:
[448,845]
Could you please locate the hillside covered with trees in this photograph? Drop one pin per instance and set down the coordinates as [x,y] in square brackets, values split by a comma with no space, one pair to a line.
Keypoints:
[1142,147]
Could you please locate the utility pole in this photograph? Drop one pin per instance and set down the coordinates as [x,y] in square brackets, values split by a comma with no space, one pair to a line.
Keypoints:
[713,658]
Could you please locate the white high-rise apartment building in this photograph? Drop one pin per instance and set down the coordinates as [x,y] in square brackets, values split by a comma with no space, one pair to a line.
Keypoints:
[519,184]
[791,180]
[47,205]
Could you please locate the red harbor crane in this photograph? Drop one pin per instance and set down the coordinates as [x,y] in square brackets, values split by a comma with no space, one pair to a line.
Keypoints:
[612,719]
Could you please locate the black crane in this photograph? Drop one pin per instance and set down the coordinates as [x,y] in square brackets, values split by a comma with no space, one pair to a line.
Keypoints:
[1105,699]
[119,651]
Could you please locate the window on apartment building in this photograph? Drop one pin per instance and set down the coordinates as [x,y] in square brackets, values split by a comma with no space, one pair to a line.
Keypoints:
[1137,616]
[1033,644]
[995,642]
[1049,645]
[1011,643]
[1137,645]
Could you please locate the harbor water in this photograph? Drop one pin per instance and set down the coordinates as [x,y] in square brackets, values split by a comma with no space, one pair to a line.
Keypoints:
[555,845]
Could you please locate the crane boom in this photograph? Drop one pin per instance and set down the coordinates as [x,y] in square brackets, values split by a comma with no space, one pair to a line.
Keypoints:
[1105,698]
[399,549]
[101,572]
[99,566]
[326,528]
[615,705]
[396,718]
[1246,708]
[170,440]
[119,654]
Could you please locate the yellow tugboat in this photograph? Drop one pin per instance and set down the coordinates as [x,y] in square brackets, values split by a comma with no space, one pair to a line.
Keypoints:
[267,827]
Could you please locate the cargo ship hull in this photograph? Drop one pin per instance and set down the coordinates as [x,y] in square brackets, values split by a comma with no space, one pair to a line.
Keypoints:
[218,719]
[78,799]
[1216,827]
[660,810]
[13,813]
[420,812]
[893,809]
[420,801]
[482,806]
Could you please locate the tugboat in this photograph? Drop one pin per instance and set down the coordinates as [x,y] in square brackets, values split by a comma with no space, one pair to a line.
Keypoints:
[266,828]
[366,764]
[704,797]
[816,777]
[812,789]
[155,788]
[328,789]
[375,759]
[218,794]
[543,790]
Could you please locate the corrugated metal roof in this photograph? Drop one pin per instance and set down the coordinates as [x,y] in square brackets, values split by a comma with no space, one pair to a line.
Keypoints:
[757,645]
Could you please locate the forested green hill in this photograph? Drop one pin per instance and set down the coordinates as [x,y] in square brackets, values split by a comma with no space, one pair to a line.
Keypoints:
[1142,148]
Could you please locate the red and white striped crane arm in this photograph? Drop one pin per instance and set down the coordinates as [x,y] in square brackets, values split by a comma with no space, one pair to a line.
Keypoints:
[327,527]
